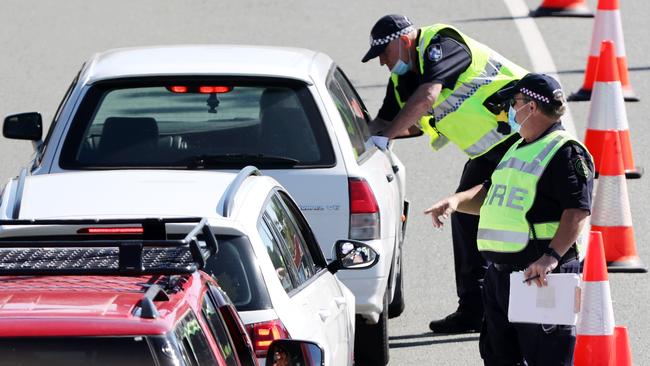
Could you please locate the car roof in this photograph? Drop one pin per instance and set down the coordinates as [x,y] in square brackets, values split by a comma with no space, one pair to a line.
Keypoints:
[131,194]
[89,305]
[284,62]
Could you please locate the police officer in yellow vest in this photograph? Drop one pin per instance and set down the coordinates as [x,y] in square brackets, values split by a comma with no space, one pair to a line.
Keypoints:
[444,83]
[531,212]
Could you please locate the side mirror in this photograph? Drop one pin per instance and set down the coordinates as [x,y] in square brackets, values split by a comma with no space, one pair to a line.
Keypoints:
[290,352]
[352,254]
[23,126]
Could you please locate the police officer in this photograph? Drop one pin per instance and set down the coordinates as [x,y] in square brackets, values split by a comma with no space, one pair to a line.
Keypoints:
[444,83]
[531,212]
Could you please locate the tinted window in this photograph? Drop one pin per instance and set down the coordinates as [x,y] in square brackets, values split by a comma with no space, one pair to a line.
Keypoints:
[65,351]
[194,346]
[308,240]
[219,332]
[237,272]
[351,109]
[178,123]
[275,253]
[290,237]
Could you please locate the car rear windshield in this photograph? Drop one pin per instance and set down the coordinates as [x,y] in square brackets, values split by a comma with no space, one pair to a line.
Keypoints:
[238,273]
[66,351]
[197,123]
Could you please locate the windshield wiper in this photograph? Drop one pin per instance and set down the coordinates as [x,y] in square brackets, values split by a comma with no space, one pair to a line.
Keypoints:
[202,161]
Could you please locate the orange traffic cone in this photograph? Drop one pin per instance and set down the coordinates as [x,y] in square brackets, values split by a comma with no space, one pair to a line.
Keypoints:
[607,25]
[607,112]
[623,351]
[611,212]
[562,8]
[595,328]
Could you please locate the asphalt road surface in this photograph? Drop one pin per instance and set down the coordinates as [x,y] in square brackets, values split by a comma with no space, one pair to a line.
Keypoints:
[43,44]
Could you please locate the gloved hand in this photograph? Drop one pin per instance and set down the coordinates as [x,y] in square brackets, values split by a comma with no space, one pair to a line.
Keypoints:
[381,142]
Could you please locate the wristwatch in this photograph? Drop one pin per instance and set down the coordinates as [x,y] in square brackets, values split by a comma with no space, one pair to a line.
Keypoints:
[552,253]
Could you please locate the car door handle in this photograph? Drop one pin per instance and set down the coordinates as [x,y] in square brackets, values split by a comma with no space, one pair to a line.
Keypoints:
[340,301]
[324,314]
[390,177]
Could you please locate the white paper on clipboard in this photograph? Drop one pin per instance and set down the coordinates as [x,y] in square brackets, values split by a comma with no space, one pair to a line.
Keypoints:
[557,303]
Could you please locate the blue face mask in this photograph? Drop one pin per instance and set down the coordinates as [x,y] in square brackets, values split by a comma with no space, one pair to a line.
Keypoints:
[512,122]
[401,67]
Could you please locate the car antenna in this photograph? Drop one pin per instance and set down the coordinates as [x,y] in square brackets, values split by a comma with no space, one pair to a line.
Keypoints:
[213,103]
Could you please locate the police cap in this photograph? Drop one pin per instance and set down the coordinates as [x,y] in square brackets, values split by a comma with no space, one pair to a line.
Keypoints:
[387,28]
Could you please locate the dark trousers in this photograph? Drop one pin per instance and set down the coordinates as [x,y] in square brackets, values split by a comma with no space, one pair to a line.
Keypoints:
[503,343]
[468,262]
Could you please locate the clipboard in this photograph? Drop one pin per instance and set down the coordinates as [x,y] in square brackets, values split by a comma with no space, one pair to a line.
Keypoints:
[557,303]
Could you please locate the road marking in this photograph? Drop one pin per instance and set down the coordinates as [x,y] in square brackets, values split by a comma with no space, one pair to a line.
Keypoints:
[542,61]
[539,54]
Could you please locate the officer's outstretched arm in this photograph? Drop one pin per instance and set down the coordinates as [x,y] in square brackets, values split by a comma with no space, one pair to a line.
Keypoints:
[416,106]
[468,201]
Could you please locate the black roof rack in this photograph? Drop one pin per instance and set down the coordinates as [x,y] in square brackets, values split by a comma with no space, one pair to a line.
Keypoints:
[228,197]
[83,255]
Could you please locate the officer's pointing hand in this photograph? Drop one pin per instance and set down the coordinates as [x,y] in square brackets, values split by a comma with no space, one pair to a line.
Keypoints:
[541,267]
[442,209]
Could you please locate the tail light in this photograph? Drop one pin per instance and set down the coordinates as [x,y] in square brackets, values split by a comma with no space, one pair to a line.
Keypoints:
[111,230]
[364,211]
[262,334]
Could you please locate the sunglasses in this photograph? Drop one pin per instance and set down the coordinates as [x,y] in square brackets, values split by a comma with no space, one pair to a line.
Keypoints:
[513,101]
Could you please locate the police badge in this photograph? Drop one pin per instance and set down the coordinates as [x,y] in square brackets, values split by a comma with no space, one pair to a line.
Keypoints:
[434,52]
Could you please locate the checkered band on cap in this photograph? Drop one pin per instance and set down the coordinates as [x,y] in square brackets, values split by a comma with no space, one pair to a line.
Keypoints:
[534,95]
[390,37]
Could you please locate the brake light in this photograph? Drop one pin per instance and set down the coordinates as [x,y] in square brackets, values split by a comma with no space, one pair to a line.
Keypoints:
[214,89]
[364,211]
[111,230]
[178,89]
[263,334]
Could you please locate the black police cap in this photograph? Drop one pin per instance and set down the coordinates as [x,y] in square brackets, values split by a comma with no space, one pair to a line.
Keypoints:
[539,87]
[387,28]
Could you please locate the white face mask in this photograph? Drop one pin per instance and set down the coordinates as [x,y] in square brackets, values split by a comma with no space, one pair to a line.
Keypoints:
[401,67]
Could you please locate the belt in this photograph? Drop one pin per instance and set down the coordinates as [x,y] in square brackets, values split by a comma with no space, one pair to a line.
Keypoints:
[505,267]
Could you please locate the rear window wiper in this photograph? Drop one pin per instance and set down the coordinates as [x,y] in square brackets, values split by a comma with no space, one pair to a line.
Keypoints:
[201,161]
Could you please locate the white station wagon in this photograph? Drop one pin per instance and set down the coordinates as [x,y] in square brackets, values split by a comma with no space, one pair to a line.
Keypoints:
[291,112]
[267,261]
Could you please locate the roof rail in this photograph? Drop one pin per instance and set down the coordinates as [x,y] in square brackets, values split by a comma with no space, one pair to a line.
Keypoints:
[147,309]
[47,255]
[19,193]
[228,197]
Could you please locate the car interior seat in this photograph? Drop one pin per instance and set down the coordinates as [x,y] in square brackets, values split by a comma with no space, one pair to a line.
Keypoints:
[285,129]
[127,138]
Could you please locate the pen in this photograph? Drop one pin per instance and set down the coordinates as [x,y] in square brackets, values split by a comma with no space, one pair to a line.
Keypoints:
[530,278]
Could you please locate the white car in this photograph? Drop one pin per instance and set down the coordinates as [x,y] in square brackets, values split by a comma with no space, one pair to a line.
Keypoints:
[290,112]
[268,261]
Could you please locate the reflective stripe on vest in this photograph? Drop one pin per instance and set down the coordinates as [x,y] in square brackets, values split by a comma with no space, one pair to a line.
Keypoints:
[459,113]
[503,226]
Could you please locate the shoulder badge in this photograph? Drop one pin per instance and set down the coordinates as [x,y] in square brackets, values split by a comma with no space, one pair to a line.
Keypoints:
[581,167]
[434,52]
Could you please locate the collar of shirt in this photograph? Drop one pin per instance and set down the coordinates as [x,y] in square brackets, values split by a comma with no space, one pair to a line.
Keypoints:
[554,127]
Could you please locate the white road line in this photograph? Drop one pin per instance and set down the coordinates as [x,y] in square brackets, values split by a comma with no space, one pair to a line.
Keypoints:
[542,61]
[539,54]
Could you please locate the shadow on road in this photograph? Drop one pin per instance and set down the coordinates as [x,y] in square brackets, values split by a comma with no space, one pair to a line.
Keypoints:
[433,339]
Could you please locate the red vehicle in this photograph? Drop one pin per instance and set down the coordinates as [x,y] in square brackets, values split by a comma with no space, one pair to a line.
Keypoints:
[108,300]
